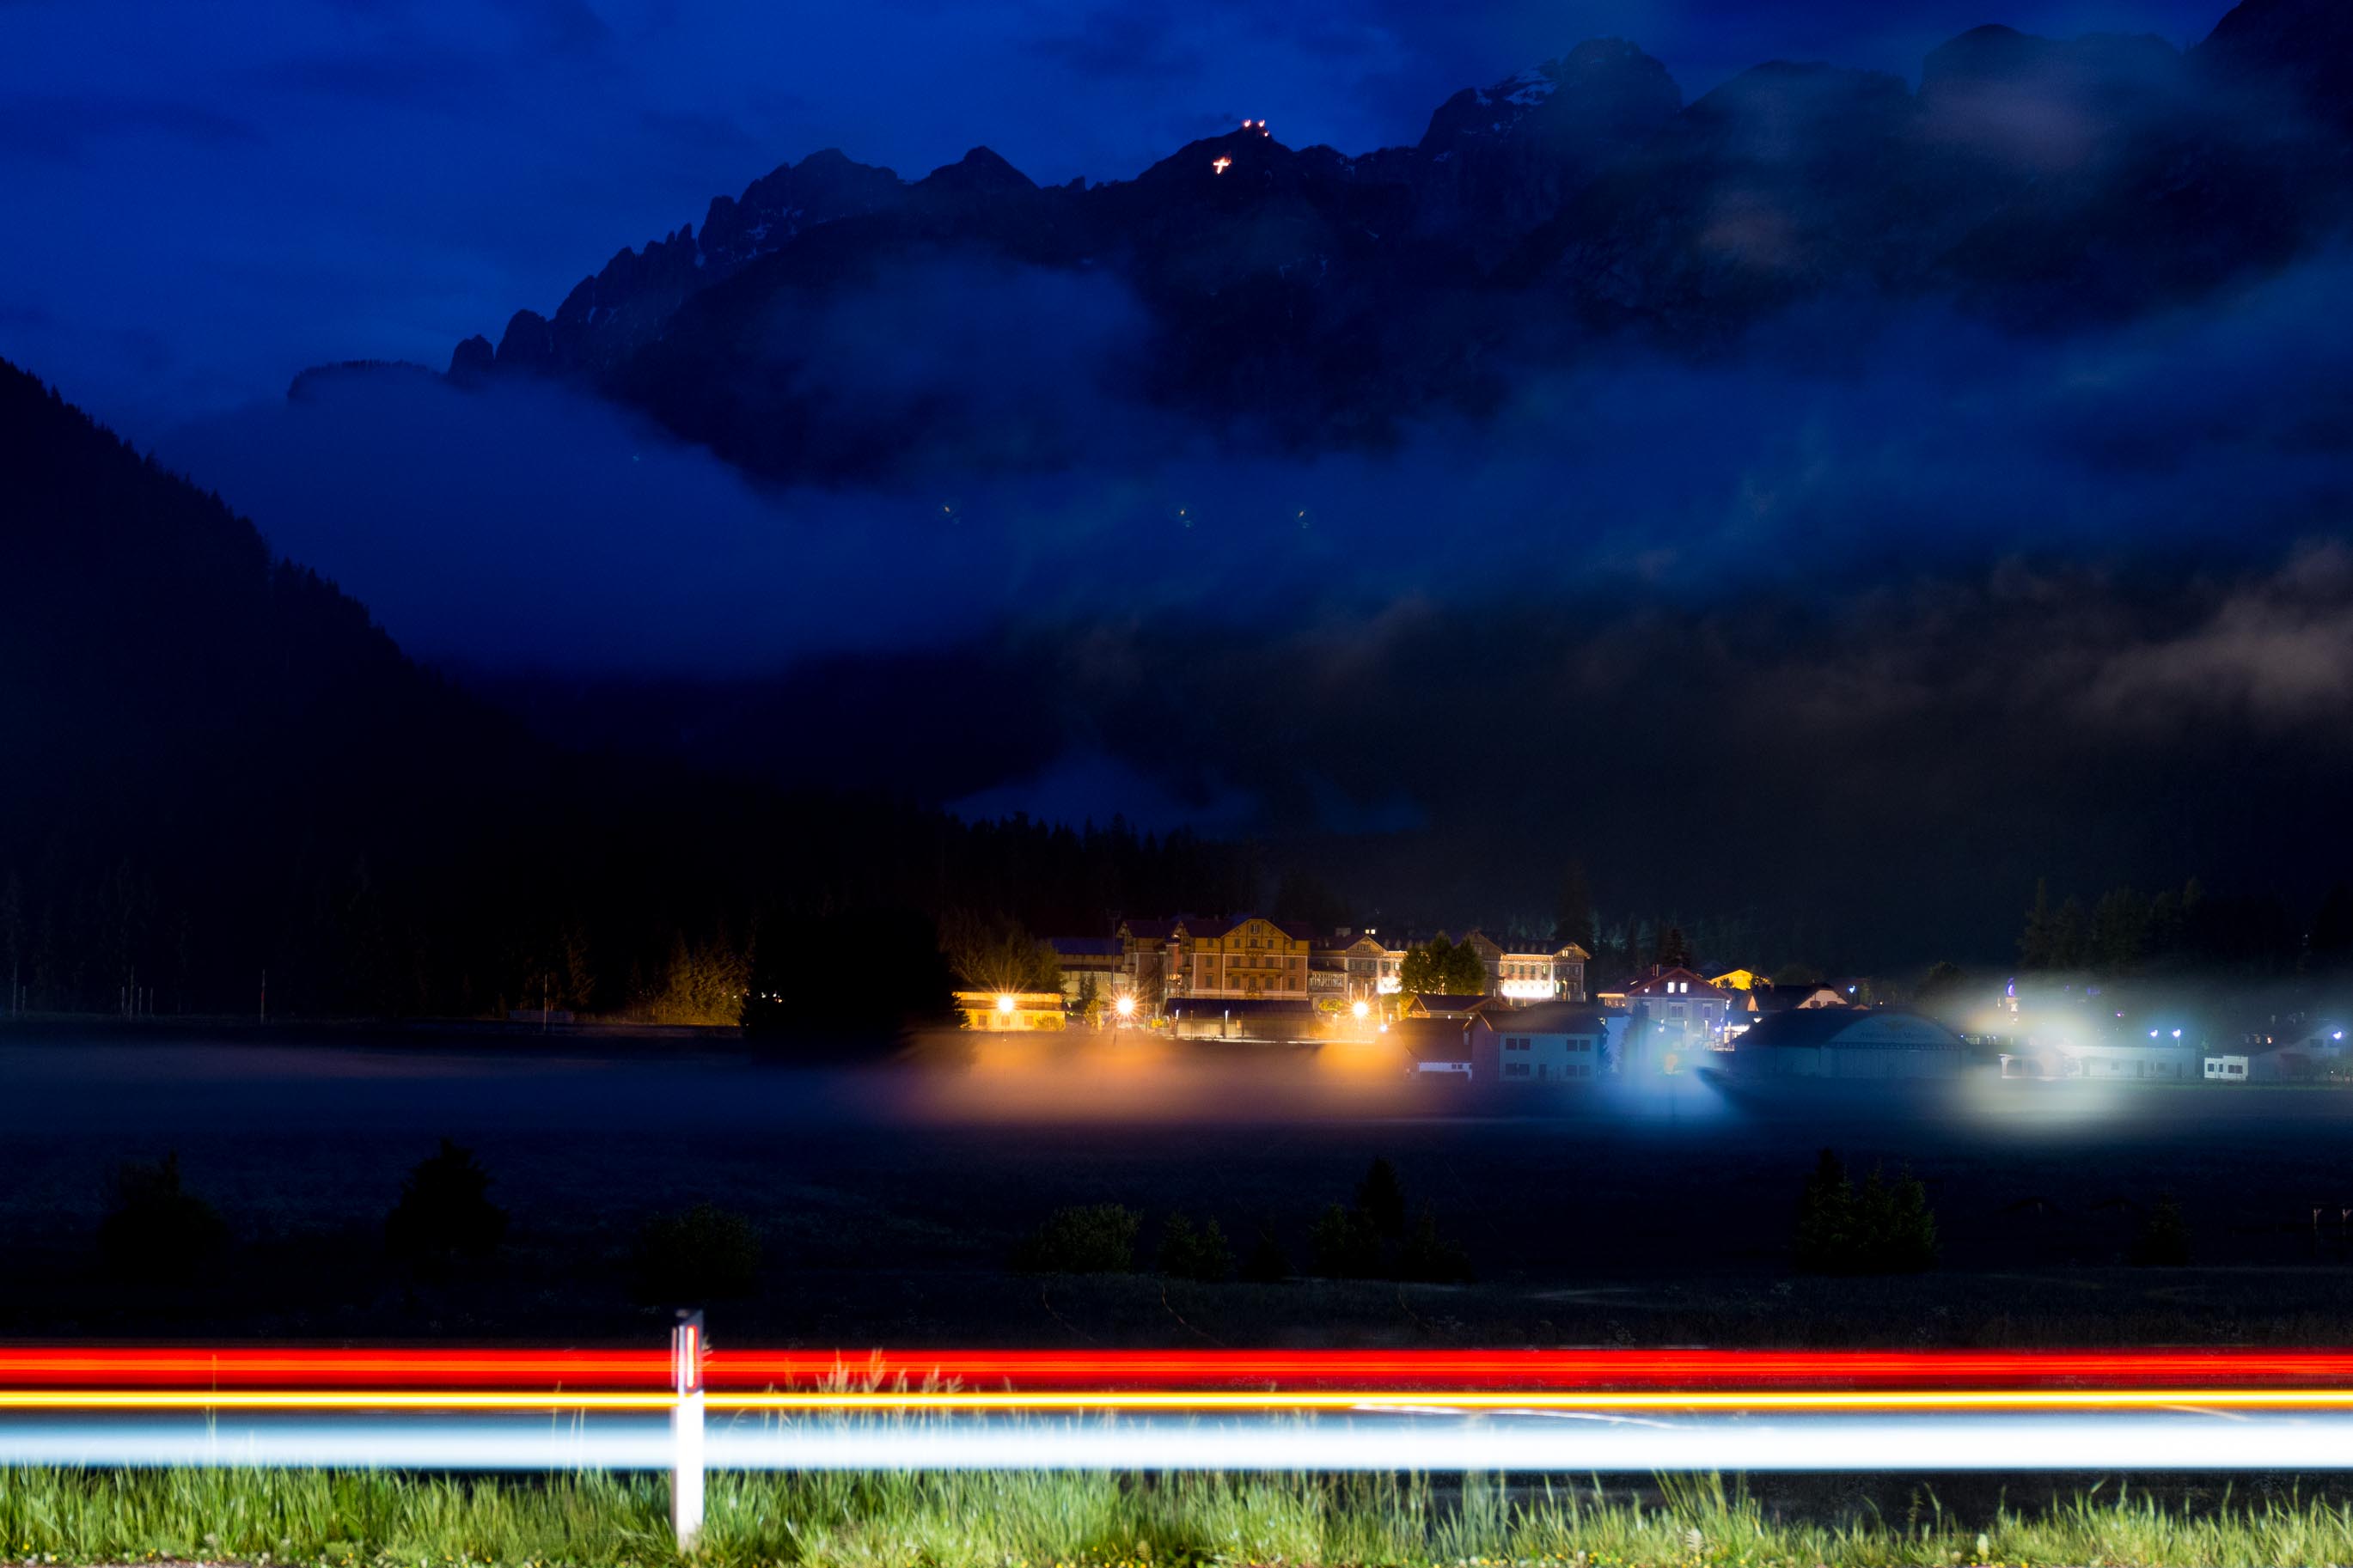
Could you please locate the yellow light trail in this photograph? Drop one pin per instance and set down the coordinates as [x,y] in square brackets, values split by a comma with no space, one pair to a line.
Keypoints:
[961,1401]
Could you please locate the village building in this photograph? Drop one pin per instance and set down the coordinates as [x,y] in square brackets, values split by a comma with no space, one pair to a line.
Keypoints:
[1443,1004]
[1525,973]
[1327,977]
[1436,1049]
[1271,1020]
[1569,963]
[1678,1010]
[2107,1060]
[1371,966]
[1152,951]
[2298,1053]
[1247,957]
[1850,1043]
[1093,968]
[1551,1042]
[1012,1011]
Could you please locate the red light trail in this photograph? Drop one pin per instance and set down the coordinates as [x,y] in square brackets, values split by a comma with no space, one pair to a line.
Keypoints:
[1563,1371]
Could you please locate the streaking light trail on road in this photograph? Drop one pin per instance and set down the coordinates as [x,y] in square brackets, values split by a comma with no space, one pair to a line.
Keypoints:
[240,1367]
[1328,1410]
[913,1401]
[1371,1440]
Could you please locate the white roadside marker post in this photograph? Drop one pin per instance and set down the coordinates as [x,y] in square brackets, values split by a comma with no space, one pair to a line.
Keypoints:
[686,1350]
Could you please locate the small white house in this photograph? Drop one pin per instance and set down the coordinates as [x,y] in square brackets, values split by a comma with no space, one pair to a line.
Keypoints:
[2226,1069]
[2101,1062]
[1552,1042]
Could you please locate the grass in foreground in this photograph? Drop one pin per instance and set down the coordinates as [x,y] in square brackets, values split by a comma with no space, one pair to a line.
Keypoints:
[385,1519]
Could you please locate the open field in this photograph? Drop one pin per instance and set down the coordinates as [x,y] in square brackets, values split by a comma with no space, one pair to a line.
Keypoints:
[888,1200]
[363,1520]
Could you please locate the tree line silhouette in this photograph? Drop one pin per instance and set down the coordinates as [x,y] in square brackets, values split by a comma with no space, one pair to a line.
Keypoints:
[2127,931]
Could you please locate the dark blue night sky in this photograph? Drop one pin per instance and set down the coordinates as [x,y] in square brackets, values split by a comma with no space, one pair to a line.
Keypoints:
[1954,461]
[219,195]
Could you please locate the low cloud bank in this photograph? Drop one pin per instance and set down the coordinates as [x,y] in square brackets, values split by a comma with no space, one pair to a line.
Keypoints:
[529,525]
[1884,602]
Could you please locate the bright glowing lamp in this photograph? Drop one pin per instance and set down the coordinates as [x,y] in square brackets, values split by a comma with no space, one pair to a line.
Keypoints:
[1124,1006]
[1005,1003]
[1362,1010]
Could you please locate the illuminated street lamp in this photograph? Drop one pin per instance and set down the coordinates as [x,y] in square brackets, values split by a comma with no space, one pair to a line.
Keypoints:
[1124,1006]
[1005,1005]
[1362,1009]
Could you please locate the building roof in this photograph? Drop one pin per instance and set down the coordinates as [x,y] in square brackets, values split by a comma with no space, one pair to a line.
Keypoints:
[1431,1039]
[1364,946]
[1086,946]
[1848,1028]
[1781,999]
[2327,1038]
[1516,948]
[1545,1018]
[1457,1003]
[1158,931]
[1656,984]
[1297,931]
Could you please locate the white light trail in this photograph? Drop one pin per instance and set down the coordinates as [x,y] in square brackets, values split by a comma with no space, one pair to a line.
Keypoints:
[1548,1440]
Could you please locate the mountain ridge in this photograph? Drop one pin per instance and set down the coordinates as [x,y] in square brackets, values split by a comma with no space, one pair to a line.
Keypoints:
[1319,297]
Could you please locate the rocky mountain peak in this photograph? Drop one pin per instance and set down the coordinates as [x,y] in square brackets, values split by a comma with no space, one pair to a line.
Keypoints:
[979,172]
[1603,89]
[825,186]
[1497,160]
[2032,179]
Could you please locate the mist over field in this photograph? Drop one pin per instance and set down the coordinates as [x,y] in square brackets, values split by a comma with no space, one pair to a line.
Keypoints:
[1841,452]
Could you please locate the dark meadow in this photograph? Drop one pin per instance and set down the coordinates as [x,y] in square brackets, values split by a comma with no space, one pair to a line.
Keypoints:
[894,1203]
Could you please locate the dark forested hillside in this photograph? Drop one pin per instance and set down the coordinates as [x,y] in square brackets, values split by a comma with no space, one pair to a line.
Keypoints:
[217,766]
